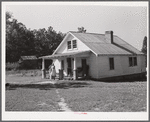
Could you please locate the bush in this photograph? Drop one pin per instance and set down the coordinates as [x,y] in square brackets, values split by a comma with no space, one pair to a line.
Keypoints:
[12,66]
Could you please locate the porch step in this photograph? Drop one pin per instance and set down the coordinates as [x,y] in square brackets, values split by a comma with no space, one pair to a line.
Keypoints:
[68,78]
[57,76]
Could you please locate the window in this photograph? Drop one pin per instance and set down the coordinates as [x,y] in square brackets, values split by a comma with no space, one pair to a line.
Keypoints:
[74,42]
[135,61]
[69,44]
[111,63]
[132,61]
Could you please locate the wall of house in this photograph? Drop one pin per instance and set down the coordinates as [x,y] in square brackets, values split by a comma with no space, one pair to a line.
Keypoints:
[80,46]
[99,66]
[89,61]
[93,68]
[121,66]
[57,65]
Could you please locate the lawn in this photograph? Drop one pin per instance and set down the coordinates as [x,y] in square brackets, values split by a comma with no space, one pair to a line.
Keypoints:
[31,99]
[106,97]
[24,95]
[89,96]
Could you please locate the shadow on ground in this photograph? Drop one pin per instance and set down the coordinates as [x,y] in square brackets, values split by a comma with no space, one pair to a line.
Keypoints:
[47,86]
[122,79]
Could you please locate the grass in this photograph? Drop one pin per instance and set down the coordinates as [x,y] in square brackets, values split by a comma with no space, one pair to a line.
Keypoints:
[85,96]
[24,76]
[107,97]
[25,99]
[24,95]
[34,72]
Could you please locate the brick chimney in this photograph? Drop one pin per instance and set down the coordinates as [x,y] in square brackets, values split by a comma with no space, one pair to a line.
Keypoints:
[109,36]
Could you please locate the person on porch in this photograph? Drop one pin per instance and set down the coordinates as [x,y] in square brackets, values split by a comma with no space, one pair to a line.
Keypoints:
[52,71]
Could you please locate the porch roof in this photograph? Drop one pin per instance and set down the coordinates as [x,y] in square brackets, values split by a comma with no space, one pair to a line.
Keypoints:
[71,54]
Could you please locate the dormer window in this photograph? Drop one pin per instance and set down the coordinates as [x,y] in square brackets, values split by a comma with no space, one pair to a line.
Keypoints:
[69,44]
[74,42]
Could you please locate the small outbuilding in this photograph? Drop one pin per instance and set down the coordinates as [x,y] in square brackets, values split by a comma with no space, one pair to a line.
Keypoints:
[28,62]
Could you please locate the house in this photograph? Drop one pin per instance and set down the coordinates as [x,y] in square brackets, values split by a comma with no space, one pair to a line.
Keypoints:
[28,62]
[96,56]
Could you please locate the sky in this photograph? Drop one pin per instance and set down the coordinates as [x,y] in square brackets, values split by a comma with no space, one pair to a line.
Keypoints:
[128,21]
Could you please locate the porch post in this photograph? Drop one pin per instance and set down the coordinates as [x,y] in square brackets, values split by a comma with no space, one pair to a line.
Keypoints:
[60,71]
[43,68]
[60,64]
[75,74]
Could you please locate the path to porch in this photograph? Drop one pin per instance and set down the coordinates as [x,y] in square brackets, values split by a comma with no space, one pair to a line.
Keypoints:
[12,82]
[33,94]
[63,106]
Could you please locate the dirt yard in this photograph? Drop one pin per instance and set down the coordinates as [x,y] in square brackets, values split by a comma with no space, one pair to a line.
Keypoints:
[31,93]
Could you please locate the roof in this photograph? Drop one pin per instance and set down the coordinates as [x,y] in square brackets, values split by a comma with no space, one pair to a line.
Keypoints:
[28,57]
[98,44]
[65,54]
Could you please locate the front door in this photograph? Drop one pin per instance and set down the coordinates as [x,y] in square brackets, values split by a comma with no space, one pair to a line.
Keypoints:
[83,66]
[69,69]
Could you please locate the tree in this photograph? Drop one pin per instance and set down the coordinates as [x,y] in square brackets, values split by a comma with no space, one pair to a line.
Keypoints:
[46,41]
[144,48]
[21,41]
[81,30]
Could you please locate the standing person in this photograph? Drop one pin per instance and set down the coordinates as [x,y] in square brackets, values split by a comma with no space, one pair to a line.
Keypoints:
[53,71]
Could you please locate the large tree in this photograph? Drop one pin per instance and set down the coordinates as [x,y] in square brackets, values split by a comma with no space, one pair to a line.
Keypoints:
[46,41]
[19,40]
[22,41]
[144,47]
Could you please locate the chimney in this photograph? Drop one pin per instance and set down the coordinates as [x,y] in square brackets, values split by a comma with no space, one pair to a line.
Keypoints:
[109,36]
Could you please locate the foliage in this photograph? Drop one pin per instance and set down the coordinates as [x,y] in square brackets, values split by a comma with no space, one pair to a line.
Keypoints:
[31,64]
[12,66]
[21,41]
[81,30]
[144,48]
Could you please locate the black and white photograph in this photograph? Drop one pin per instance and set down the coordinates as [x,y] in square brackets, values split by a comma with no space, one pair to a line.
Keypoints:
[75,60]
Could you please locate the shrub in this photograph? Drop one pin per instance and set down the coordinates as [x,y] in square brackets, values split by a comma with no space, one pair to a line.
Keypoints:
[12,66]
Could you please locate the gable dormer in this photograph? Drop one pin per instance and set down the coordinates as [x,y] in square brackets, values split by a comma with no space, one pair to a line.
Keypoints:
[70,44]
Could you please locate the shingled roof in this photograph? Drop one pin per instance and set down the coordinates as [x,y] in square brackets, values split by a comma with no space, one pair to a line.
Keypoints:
[98,44]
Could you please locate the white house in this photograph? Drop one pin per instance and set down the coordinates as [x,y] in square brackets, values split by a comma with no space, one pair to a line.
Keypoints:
[96,55]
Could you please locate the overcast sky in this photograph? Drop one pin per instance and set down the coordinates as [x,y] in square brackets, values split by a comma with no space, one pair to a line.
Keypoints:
[127,22]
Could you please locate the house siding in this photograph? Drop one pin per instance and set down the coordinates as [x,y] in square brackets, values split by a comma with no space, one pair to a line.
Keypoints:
[99,65]
[121,66]
[57,65]
[93,66]
[80,46]
[78,63]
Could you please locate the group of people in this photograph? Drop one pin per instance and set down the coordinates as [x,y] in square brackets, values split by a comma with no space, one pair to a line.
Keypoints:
[52,71]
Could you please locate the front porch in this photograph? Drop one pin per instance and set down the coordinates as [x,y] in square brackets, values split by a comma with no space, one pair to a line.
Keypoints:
[73,65]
